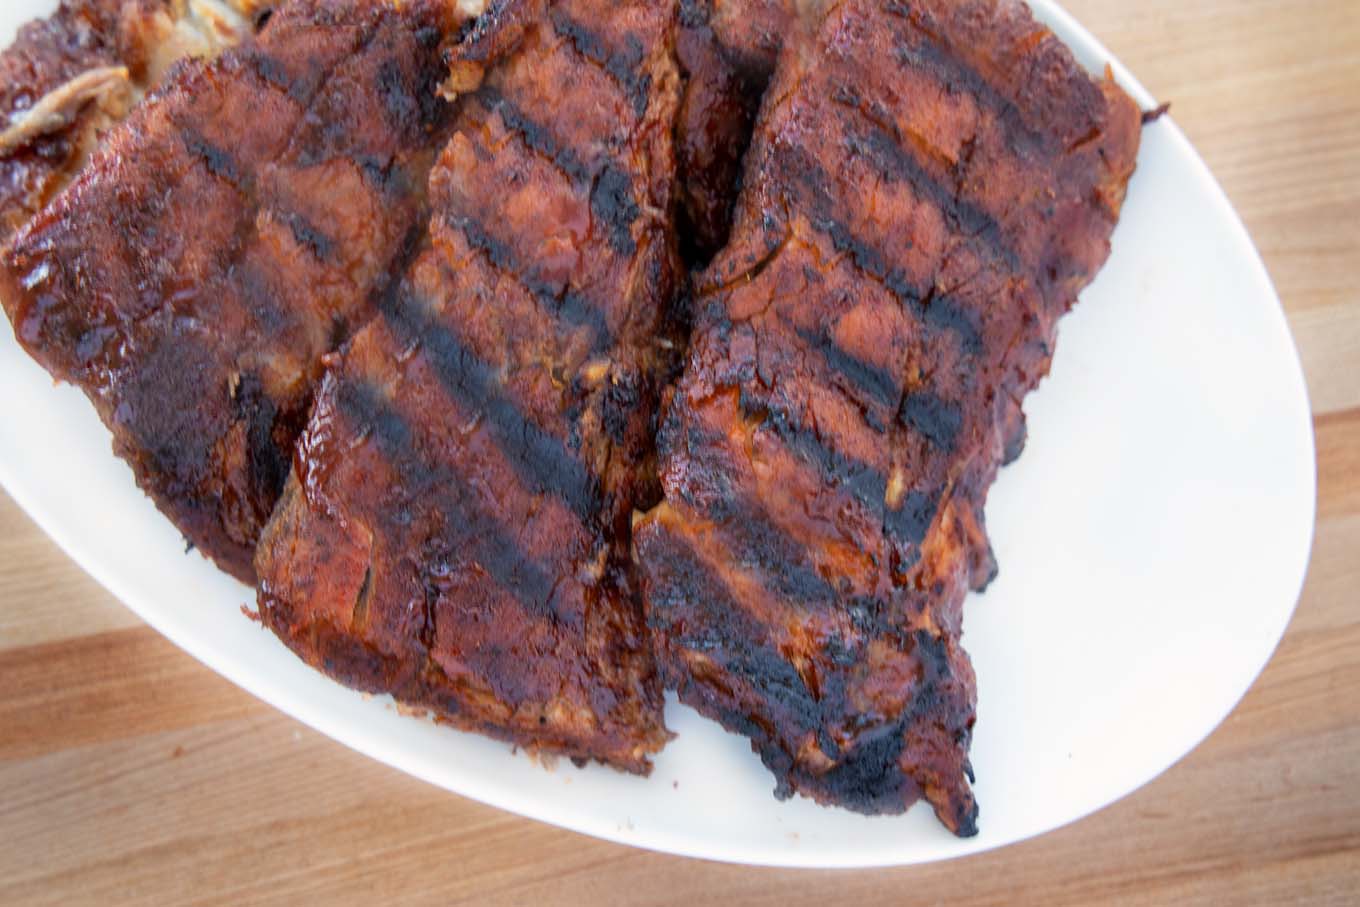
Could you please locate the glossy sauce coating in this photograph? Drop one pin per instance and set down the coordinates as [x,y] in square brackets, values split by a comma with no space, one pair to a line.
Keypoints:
[456,531]
[82,35]
[727,51]
[930,185]
[69,78]
[229,234]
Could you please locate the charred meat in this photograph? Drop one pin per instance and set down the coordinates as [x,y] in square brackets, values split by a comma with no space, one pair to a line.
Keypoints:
[727,51]
[456,530]
[228,235]
[69,78]
[929,186]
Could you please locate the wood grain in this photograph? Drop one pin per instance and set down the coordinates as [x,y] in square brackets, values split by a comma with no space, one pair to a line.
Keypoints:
[131,774]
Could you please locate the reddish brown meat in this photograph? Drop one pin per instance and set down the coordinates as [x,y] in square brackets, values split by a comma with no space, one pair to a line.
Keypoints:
[70,77]
[227,235]
[457,528]
[727,51]
[930,185]
[81,36]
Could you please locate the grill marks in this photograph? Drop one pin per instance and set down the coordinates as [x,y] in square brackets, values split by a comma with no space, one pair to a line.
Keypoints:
[938,420]
[813,189]
[611,200]
[894,161]
[920,48]
[505,405]
[229,234]
[543,462]
[535,136]
[611,188]
[623,64]
[569,305]
[864,481]
[219,162]
[874,381]
[499,553]
[309,237]
[888,281]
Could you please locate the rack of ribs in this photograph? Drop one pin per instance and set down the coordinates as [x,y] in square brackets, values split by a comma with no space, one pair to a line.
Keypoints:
[69,78]
[456,530]
[930,185]
[230,233]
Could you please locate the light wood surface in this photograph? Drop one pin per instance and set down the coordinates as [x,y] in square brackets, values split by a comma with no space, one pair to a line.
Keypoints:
[131,774]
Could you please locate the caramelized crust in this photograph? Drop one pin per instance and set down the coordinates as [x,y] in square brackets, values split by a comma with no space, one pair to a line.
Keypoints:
[457,528]
[69,78]
[727,51]
[445,367]
[230,233]
[930,185]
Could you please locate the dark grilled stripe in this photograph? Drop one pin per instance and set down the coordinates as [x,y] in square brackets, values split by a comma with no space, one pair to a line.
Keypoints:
[260,296]
[877,382]
[687,602]
[937,419]
[622,65]
[690,607]
[771,676]
[896,163]
[569,305]
[611,187]
[695,13]
[543,462]
[943,311]
[910,522]
[611,201]
[863,481]
[398,97]
[952,73]
[535,135]
[931,307]
[274,73]
[907,523]
[759,545]
[754,541]
[220,162]
[307,235]
[491,546]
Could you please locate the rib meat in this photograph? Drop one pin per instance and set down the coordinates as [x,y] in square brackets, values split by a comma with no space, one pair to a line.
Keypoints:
[727,51]
[930,185]
[69,78]
[456,530]
[230,233]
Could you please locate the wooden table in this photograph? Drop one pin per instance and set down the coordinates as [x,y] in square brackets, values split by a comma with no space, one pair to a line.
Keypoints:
[131,774]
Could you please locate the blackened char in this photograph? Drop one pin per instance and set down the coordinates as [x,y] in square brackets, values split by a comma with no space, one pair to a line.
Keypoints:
[457,528]
[225,238]
[929,185]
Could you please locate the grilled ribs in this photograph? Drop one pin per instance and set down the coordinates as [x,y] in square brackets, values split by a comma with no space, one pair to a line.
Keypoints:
[929,186]
[443,259]
[229,234]
[456,529]
[727,51]
[70,77]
